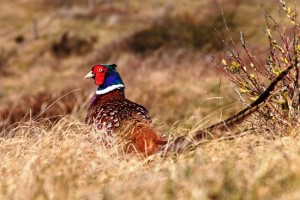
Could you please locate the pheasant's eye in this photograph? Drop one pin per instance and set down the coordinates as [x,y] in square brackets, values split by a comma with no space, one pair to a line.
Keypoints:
[100,70]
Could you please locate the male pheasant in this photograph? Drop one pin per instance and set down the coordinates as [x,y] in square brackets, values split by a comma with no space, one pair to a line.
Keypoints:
[109,110]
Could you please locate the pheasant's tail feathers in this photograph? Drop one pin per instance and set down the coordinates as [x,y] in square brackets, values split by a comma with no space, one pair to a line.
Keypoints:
[243,114]
[235,119]
[181,144]
[178,145]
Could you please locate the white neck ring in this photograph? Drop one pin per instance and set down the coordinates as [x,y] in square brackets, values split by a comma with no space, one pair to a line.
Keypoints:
[109,88]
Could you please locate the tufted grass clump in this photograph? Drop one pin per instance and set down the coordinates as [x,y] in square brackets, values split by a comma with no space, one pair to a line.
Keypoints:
[51,105]
[250,76]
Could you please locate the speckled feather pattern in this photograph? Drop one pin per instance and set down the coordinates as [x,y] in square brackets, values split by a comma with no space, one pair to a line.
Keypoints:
[108,111]
[112,112]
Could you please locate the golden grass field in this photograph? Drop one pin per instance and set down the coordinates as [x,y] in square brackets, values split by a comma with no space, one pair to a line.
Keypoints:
[46,150]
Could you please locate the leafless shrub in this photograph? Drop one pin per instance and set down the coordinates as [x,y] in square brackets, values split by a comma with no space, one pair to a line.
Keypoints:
[250,76]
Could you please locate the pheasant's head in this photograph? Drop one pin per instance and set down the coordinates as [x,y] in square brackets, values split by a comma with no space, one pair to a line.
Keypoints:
[106,76]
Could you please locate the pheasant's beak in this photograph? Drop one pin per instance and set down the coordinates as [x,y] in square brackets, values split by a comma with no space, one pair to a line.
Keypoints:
[89,75]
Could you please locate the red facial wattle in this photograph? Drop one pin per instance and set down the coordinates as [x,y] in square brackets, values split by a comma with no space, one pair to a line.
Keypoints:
[99,78]
[99,72]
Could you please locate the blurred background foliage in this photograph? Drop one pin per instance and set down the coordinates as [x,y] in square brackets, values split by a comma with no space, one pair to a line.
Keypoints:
[163,50]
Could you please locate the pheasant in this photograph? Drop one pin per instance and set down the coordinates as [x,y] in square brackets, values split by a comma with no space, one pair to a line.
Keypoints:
[109,110]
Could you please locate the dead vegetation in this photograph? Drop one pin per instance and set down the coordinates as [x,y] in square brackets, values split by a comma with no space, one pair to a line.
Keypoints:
[249,75]
[67,160]
[50,105]
[182,31]
[72,44]
[48,153]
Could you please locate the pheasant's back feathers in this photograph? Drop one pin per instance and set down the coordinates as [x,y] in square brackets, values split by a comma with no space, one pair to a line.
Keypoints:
[108,111]
[114,113]
[111,115]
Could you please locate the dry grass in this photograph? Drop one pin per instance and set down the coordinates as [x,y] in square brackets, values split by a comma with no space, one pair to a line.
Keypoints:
[68,161]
